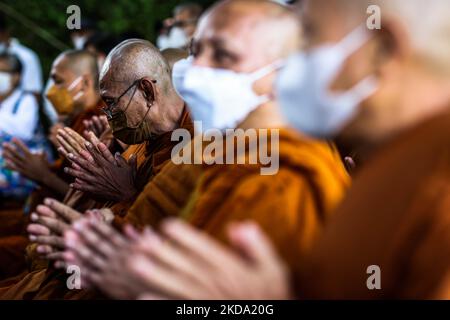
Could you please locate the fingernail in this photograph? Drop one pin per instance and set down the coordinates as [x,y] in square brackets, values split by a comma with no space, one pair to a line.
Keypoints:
[70,243]
[32,237]
[48,201]
[66,170]
[78,226]
[70,155]
[34,217]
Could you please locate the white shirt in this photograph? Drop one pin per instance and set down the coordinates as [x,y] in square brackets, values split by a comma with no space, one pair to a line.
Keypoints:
[21,124]
[31,73]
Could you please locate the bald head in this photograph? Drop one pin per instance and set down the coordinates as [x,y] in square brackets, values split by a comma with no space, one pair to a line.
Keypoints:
[136,79]
[425,23]
[271,30]
[78,62]
[135,59]
[408,58]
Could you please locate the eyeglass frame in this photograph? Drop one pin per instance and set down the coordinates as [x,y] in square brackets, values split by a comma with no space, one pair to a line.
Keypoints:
[109,109]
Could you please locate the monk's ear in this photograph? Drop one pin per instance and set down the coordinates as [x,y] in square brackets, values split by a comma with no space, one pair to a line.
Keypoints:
[393,44]
[148,89]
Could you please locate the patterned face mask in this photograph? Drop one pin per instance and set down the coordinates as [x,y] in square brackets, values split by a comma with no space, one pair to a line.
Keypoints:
[62,99]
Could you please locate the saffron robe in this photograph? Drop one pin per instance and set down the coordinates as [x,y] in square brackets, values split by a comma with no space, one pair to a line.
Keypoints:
[291,206]
[396,217]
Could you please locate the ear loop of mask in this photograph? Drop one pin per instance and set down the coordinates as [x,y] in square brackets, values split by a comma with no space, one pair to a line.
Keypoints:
[350,44]
[264,71]
[355,39]
[146,113]
[73,85]
[347,46]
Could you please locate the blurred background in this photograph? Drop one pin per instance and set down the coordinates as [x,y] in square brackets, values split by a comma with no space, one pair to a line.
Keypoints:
[41,24]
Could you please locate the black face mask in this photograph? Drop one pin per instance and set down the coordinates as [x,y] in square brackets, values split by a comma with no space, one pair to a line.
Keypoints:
[119,123]
[126,134]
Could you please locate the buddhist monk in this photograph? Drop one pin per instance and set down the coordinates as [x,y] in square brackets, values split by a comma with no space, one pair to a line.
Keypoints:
[291,203]
[74,70]
[142,115]
[390,237]
[75,96]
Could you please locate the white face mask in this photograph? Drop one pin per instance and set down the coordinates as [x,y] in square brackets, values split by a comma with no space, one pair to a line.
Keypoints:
[177,38]
[78,42]
[303,87]
[219,98]
[5,82]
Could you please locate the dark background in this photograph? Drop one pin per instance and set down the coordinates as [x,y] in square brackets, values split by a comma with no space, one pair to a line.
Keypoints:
[41,24]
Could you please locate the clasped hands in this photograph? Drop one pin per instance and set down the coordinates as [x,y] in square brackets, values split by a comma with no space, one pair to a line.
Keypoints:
[95,169]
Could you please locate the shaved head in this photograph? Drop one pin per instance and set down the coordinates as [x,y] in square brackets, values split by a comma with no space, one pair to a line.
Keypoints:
[136,79]
[409,58]
[135,59]
[426,22]
[79,62]
[268,27]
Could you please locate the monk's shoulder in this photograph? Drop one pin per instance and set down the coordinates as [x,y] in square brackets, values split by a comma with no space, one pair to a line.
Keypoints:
[414,155]
[311,156]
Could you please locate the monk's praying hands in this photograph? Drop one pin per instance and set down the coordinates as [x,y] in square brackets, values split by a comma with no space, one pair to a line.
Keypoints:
[97,124]
[47,228]
[106,176]
[19,158]
[70,141]
[33,166]
[184,263]
[101,253]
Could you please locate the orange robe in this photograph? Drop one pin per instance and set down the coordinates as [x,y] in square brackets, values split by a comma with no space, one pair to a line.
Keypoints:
[397,217]
[165,196]
[292,205]
[191,191]
[47,283]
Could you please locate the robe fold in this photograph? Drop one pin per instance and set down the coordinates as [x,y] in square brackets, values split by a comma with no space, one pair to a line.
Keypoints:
[396,217]
[165,196]
[291,206]
[45,282]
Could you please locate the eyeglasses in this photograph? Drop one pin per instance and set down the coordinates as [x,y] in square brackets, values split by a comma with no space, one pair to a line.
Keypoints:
[109,110]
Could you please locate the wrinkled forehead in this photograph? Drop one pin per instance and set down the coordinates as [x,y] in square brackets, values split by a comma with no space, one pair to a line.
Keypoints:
[112,83]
